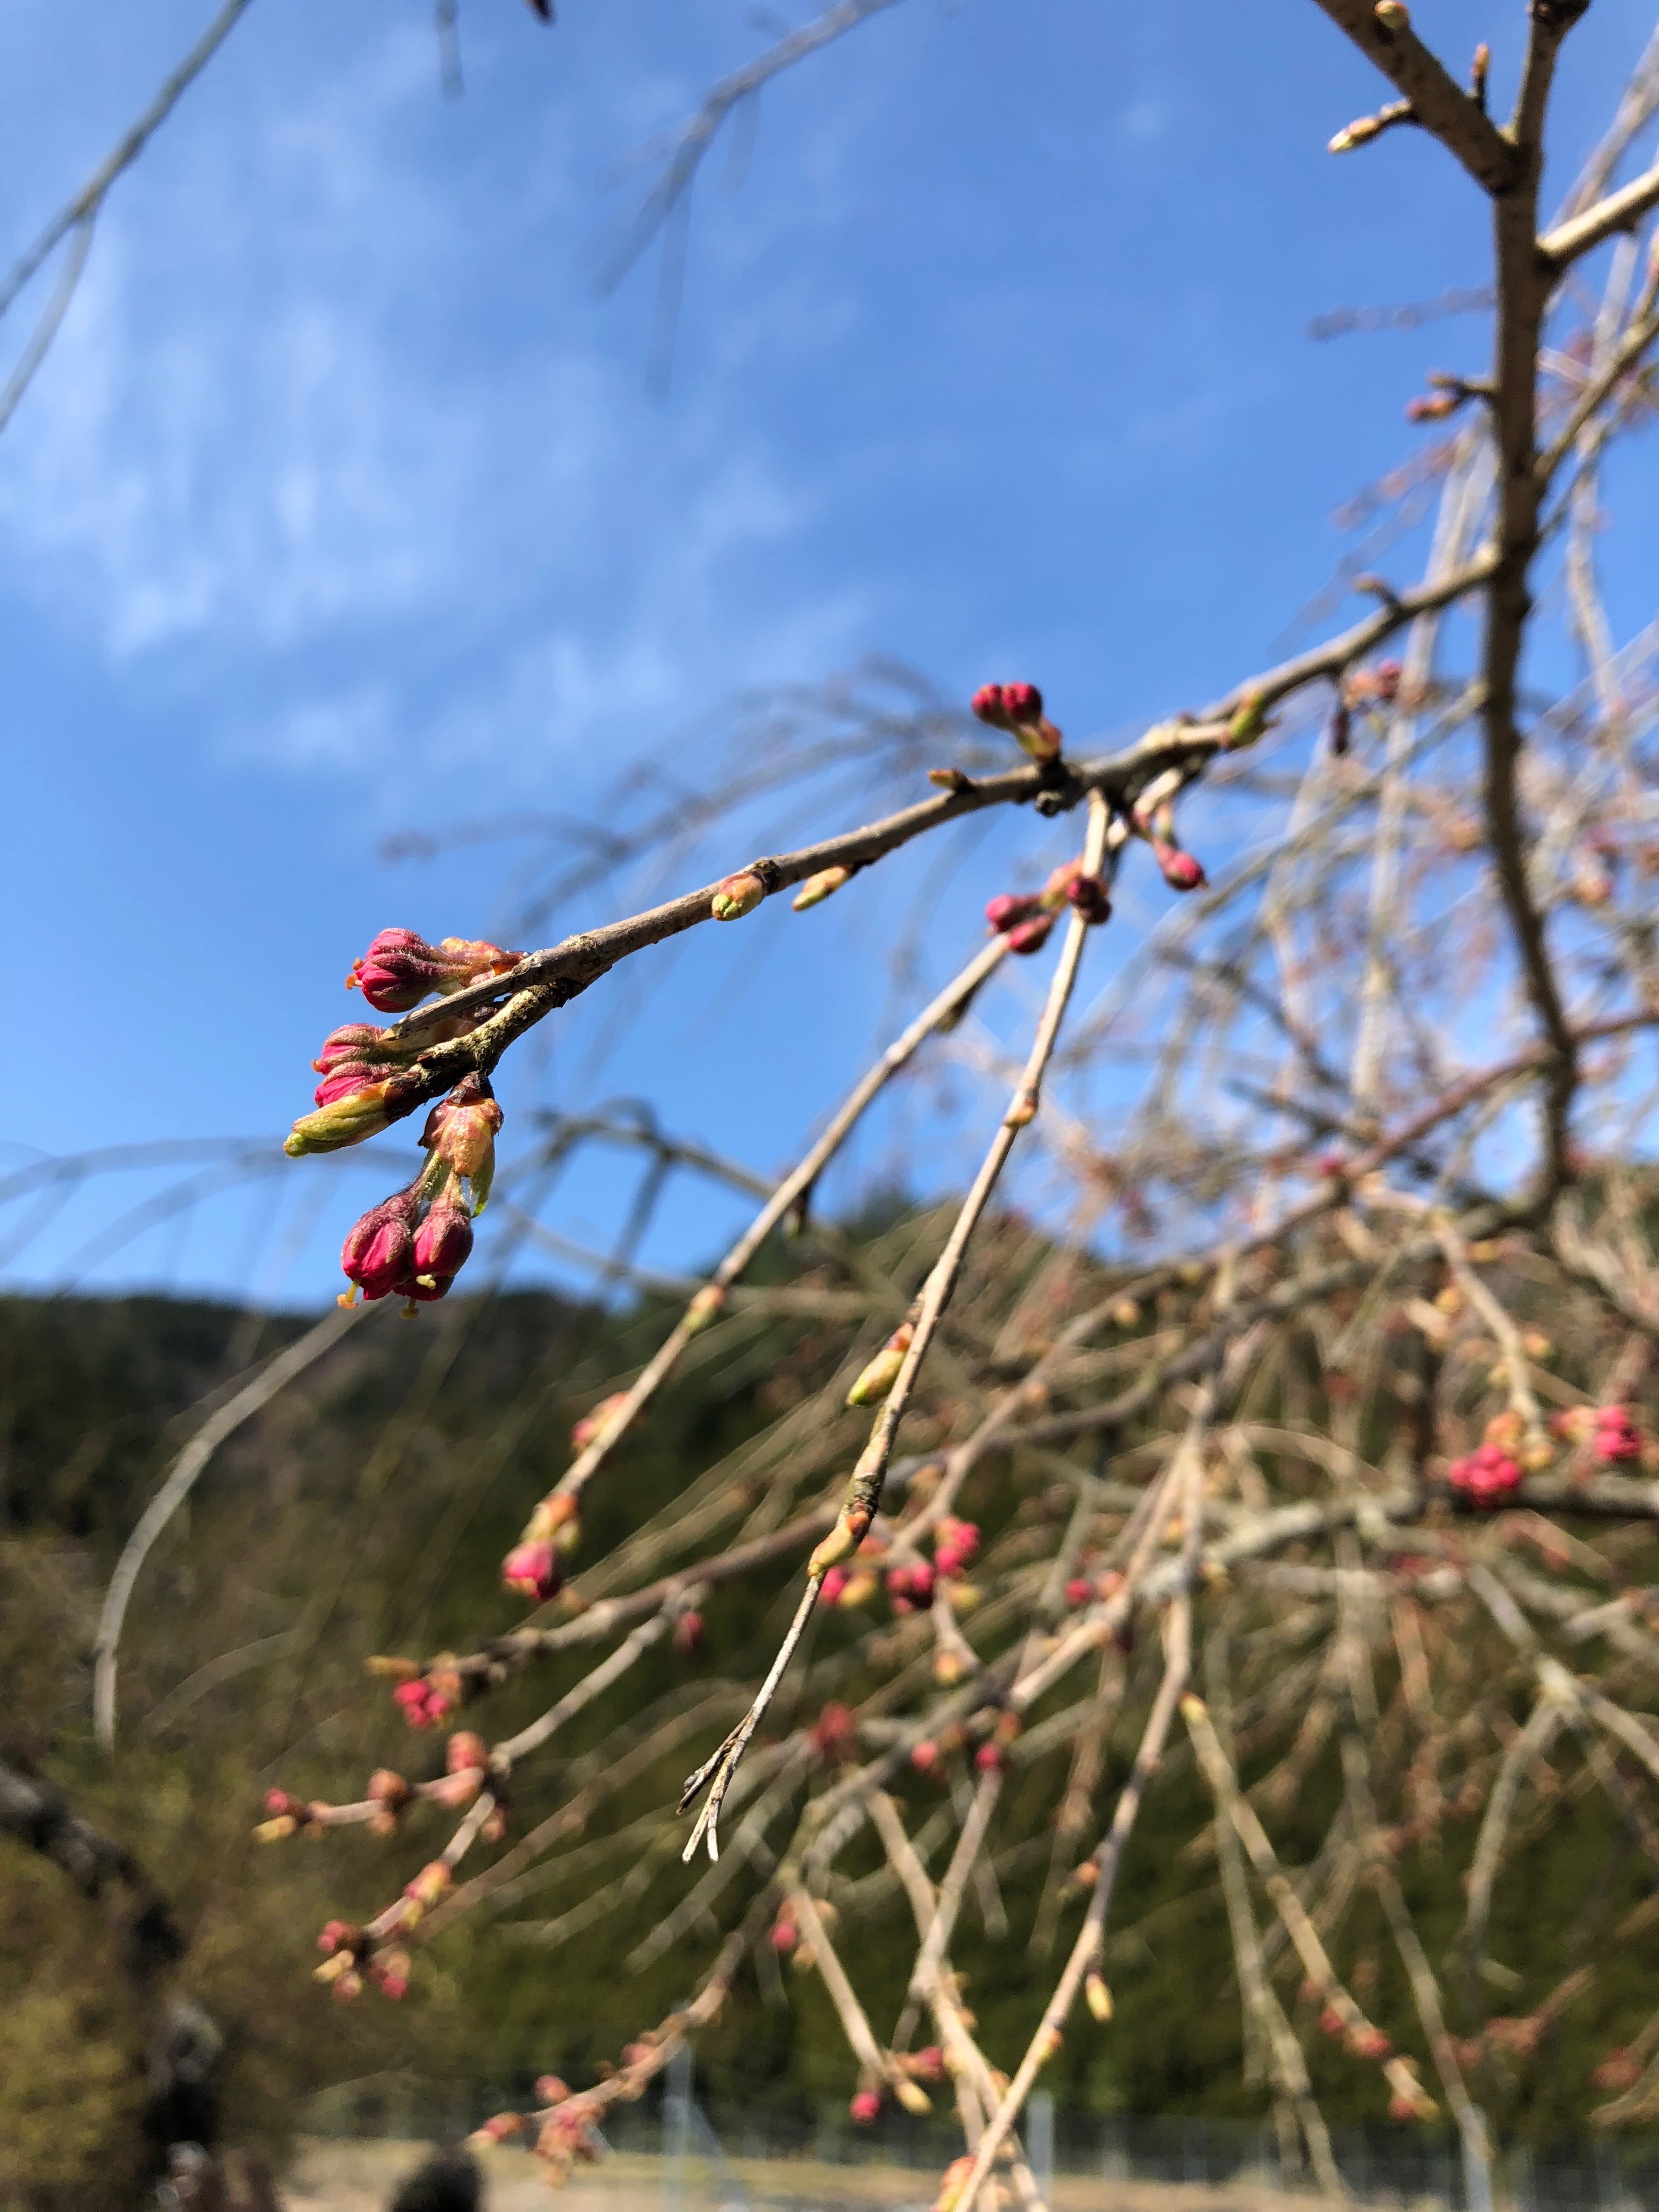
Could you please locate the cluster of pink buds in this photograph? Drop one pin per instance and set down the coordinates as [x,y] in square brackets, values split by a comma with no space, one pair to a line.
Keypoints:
[1026,919]
[400,969]
[1615,1437]
[420,1704]
[910,1587]
[955,1545]
[1485,1477]
[1018,708]
[349,1960]
[413,1244]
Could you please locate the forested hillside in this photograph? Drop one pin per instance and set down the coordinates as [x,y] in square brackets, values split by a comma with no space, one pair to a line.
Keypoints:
[347,1520]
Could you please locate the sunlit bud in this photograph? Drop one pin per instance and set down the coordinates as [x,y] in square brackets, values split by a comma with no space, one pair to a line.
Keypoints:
[533,1570]
[688,1633]
[987,702]
[1008,908]
[400,968]
[1126,1314]
[955,1545]
[360,1113]
[1089,898]
[882,1371]
[276,1831]
[441,1245]
[1368,2042]
[704,1308]
[949,1666]
[1393,14]
[1182,871]
[912,2097]
[1433,407]
[1030,936]
[866,2107]
[391,1975]
[390,1793]
[738,896]
[1018,708]
[1048,2045]
[783,1934]
[1099,1996]
[925,1758]
[459,1136]
[1360,132]
[860,1587]
[1331,2022]
[598,1423]
[430,1886]
[988,1758]
[340,1962]
[464,1749]
[1079,1591]
[816,889]
[911,1587]
[550,2090]
[1023,1112]
[951,779]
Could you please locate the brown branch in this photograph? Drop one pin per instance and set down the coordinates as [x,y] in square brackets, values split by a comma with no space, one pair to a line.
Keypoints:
[1438,102]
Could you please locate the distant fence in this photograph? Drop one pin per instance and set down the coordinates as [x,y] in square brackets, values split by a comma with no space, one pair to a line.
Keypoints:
[736,2162]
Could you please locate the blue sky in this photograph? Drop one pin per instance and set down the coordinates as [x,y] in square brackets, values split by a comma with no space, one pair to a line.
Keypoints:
[344,504]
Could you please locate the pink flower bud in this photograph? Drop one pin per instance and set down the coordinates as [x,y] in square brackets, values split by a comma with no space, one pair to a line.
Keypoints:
[925,1758]
[379,1249]
[350,1045]
[1089,896]
[1079,1590]
[783,1934]
[1022,702]
[1616,1435]
[400,968]
[1006,908]
[392,1982]
[928,2065]
[688,1633]
[988,1758]
[866,2107]
[987,702]
[550,2090]
[1030,936]
[441,1245]
[594,1425]
[465,1750]
[736,896]
[361,1112]
[346,1081]
[533,1570]
[337,1935]
[835,1582]
[459,1136]
[1182,871]
[433,1882]
[835,1734]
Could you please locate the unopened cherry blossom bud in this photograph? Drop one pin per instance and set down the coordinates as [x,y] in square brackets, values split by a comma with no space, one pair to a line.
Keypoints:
[925,1758]
[1433,407]
[988,1758]
[814,891]
[598,1423]
[441,1248]
[1182,871]
[913,2098]
[866,2107]
[550,2090]
[430,1886]
[460,1139]
[337,1936]
[952,779]
[464,1749]
[688,1633]
[1332,2023]
[1089,896]
[704,1308]
[1030,936]
[379,1248]
[882,1371]
[736,896]
[277,1830]
[502,2127]
[1007,908]
[1394,16]
[390,1793]
[391,1975]
[928,2064]
[533,1570]
[1249,722]
[1098,1995]
[1360,132]
[835,1582]
[783,1934]
[363,1112]
[1048,2044]
[400,968]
